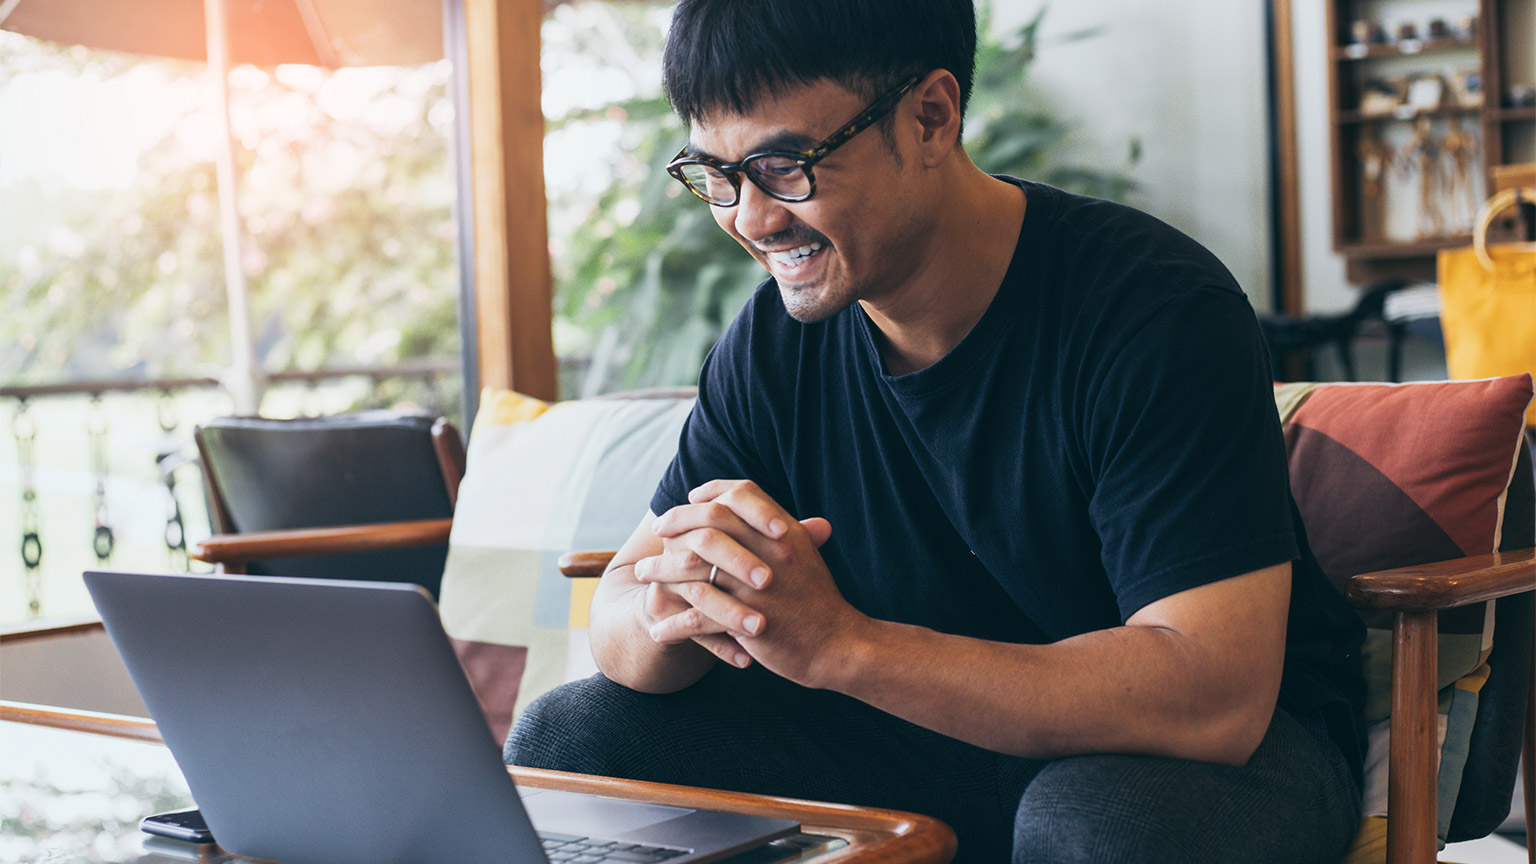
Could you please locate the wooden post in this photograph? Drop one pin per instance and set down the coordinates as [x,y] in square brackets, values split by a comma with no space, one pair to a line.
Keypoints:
[1286,170]
[1413,764]
[511,256]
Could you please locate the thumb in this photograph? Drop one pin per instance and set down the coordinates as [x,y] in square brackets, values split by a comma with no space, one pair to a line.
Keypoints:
[819,529]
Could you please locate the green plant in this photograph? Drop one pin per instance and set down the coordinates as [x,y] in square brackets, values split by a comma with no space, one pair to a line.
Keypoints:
[653,294]
[1010,128]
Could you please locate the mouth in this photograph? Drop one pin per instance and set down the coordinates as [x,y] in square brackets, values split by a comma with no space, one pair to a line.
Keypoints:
[794,262]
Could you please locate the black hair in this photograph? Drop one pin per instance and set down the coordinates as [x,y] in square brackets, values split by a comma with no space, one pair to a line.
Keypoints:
[725,55]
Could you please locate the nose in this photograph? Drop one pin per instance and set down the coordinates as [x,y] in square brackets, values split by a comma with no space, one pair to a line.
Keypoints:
[758,214]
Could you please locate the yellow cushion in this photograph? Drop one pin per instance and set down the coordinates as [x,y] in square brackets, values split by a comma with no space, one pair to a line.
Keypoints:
[506,407]
[1370,843]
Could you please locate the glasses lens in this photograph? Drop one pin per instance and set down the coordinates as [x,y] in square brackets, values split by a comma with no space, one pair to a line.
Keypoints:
[780,176]
[709,183]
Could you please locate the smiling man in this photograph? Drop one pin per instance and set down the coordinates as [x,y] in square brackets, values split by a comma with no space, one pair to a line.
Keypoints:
[983,509]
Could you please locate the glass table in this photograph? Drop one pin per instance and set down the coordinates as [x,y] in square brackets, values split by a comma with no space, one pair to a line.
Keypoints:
[74,785]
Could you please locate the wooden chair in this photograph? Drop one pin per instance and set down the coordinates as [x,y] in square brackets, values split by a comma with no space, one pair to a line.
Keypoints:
[232,549]
[359,496]
[1415,597]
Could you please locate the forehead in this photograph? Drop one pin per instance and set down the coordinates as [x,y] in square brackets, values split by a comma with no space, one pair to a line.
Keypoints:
[796,119]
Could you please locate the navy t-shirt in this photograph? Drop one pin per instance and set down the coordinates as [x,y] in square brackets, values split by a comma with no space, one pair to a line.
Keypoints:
[1104,437]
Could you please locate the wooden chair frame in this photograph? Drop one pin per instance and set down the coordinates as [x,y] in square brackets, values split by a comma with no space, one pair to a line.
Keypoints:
[1415,595]
[232,553]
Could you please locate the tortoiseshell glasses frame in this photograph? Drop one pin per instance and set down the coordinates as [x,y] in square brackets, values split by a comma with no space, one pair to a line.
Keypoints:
[784,175]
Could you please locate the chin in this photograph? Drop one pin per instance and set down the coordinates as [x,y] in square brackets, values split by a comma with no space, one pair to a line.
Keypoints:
[808,306]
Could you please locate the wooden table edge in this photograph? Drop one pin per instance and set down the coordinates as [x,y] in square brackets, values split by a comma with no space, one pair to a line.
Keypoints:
[93,722]
[873,834]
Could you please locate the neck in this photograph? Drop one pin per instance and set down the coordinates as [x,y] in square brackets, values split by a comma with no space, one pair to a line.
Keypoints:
[969,243]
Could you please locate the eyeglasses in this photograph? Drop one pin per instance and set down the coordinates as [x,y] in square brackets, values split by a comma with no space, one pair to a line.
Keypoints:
[781,174]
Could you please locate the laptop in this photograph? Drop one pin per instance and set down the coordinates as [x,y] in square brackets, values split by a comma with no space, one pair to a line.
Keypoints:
[330,721]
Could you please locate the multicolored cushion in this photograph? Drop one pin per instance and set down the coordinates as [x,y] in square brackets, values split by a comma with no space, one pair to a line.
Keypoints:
[541,481]
[1389,475]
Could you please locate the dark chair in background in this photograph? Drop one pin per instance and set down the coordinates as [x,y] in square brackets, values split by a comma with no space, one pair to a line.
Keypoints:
[292,497]
[1294,340]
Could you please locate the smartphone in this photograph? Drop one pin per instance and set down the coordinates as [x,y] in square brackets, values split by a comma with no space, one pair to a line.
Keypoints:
[185,825]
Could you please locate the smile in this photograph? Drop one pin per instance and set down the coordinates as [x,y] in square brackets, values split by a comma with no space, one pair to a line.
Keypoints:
[793,257]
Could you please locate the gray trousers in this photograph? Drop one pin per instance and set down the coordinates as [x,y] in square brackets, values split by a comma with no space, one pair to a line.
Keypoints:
[751,731]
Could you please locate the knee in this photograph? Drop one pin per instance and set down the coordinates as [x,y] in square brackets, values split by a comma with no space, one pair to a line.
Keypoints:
[578,726]
[1087,809]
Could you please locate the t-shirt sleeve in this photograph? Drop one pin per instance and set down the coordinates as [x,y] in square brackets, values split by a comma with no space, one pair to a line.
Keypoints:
[1185,447]
[715,440]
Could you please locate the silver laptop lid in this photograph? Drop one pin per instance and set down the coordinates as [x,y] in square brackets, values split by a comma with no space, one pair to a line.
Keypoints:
[352,737]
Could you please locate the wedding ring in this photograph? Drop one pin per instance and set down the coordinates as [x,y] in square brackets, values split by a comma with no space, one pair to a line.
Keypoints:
[714,571]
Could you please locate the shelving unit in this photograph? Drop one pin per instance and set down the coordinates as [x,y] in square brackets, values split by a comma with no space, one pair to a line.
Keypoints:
[1402,48]
[1388,219]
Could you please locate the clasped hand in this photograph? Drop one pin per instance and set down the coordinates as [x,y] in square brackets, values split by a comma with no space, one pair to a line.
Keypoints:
[772,599]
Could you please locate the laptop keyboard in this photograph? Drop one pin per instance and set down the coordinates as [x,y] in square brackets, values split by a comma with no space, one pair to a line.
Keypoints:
[569,849]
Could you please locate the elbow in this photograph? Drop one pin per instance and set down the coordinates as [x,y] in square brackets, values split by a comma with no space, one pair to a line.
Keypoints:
[1226,716]
[1232,708]
[625,654]
[619,663]
[607,655]
[612,641]
[1234,734]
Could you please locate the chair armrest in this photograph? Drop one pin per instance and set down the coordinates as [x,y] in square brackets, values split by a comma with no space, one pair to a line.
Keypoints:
[239,548]
[585,565]
[1445,584]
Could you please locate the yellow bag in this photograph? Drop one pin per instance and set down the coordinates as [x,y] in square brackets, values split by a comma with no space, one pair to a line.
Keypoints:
[1488,303]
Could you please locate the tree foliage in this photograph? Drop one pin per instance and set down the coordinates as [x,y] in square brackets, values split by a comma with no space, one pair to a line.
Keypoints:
[346,203]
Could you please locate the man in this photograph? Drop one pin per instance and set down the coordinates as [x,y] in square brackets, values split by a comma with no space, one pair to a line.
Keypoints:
[983,509]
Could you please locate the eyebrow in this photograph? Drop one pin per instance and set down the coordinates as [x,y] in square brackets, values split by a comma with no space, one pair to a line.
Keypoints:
[795,142]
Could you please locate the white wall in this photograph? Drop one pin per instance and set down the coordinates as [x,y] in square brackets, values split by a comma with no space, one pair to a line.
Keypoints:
[1324,287]
[1187,77]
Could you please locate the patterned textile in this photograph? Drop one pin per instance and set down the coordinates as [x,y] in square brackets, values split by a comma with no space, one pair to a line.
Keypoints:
[1393,475]
[543,480]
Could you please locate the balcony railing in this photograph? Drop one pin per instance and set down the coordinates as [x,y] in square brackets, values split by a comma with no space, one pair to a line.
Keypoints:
[104,471]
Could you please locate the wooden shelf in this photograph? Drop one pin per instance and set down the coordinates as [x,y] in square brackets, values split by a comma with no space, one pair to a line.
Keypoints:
[1360,220]
[1404,115]
[1403,48]
[1393,249]
[1515,115]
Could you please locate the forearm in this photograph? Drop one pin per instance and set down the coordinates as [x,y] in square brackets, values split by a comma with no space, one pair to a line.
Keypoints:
[1130,689]
[623,648]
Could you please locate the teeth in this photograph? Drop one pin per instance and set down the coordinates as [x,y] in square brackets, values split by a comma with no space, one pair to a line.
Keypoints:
[794,256]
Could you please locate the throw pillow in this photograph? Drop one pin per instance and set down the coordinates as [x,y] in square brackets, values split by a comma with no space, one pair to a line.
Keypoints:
[1392,475]
[543,480]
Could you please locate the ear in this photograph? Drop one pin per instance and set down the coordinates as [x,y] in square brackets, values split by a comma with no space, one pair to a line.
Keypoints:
[938,115]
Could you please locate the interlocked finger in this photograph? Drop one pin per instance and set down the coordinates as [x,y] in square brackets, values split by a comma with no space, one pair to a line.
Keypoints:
[726,649]
[711,611]
[704,555]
